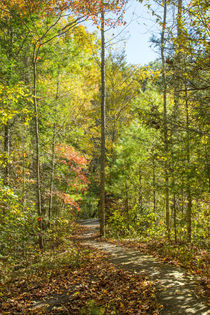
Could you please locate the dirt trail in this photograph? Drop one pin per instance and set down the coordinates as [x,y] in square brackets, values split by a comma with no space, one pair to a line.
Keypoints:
[175,290]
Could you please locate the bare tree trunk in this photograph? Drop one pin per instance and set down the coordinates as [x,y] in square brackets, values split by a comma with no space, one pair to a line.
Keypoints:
[37,150]
[126,197]
[177,87]
[8,125]
[206,153]
[23,189]
[53,163]
[140,189]
[6,161]
[175,218]
[165,120]
[103,100]
[153,184]
[6,152]
[177,64]
[182,208]
[52,176]
[189,198]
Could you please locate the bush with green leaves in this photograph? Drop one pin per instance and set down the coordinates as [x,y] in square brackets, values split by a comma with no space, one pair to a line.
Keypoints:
[136,222]
[18,226]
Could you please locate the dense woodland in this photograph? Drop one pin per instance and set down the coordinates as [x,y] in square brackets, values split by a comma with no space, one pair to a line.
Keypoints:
[150,179]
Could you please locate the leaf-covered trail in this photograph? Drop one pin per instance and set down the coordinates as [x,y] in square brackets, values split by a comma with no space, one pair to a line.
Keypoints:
[175,289]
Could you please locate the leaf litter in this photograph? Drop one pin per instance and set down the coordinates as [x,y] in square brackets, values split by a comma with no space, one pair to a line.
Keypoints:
[79,280]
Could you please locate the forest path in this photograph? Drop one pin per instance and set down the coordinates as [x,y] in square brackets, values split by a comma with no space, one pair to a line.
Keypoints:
[175,289]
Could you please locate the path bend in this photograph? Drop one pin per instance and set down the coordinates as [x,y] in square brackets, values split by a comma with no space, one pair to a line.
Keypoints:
[175,289]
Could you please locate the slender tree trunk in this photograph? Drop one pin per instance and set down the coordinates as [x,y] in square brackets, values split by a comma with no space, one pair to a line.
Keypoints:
[23,189]
[165,120]
[126,197]
[140,188]
[37,151]
[153,184]
[8,125]
[52,175]
[182,208]
[103,100]
[6,161]
[189,198]
[177,64]
[6,152]
[206,153]
[175,218]
[53,163]
[177,87]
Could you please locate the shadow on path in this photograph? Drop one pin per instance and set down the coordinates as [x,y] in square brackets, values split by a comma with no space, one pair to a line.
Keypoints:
[174,290]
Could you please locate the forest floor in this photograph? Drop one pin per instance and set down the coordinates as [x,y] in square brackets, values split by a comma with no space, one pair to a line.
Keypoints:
[87,275]
[176,290]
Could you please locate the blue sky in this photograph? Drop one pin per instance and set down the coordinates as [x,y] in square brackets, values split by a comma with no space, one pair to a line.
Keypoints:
[141,26]
[136,34]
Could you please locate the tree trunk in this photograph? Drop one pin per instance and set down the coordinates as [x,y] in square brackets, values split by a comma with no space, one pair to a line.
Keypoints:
[126,197]
[6,152]
[37,152]
[103,91]
[165,120]
[153,184]
[52,176]
[175,218]
[182,207]
[7,126]
[177,65]
[177,87]
[189,198]
[23,189]
[53,163]
[140,189]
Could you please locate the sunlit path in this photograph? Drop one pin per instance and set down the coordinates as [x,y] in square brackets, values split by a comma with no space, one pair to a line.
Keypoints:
[175,290]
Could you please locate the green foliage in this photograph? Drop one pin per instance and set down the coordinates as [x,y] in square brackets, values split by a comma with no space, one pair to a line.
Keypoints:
[118,224]
[201,222]
[136,223]
[18,228]
[59,228]
[136,174]
[68,117]
[14,101]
